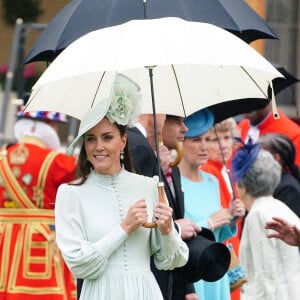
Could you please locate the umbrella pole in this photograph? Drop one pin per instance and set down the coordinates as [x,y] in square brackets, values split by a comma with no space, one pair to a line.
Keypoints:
[225,164]
[155,122]
[145,9]
[227,171]
[160,185]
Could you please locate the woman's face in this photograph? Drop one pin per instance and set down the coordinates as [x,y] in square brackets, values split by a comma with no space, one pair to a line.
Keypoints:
[103,144]
[195,150]
[225,145]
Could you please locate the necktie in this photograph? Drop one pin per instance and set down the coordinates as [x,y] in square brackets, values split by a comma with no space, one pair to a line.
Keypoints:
[169,176]
[170,181]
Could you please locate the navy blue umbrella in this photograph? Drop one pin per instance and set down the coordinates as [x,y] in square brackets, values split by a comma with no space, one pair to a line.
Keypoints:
[279,84]
[82,16]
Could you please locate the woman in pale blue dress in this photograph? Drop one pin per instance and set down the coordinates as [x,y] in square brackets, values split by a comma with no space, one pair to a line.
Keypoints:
[202,197]
[99,217]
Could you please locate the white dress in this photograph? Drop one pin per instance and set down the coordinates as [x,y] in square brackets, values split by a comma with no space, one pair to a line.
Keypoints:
[97,249]
[272,266]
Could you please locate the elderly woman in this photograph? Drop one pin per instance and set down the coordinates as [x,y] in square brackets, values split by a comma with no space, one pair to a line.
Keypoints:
[273,267]
[220,150]
[283,150]
[100,217]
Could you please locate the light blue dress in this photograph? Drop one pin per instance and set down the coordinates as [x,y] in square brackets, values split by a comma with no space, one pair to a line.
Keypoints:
[201,199]
[97,249]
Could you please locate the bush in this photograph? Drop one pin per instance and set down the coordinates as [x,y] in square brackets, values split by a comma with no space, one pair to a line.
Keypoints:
[28,10]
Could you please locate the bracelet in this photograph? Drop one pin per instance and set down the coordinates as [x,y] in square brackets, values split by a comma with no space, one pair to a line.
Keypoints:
[210,224]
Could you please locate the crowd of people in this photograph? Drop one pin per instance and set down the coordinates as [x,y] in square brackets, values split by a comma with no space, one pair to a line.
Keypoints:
[116,220]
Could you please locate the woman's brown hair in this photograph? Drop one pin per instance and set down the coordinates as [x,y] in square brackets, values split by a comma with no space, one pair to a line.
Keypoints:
[84,166]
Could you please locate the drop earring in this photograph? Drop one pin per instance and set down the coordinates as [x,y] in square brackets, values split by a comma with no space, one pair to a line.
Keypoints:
[122,155]
[122,158]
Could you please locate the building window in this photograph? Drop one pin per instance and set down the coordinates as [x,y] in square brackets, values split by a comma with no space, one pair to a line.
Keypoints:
[283,16]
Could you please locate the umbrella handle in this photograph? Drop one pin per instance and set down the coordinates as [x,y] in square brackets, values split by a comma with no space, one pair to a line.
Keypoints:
[162,198]
[179,150]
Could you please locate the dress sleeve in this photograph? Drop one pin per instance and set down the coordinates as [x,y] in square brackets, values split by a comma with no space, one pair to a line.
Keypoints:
[170,251]
[226,232]
[85,259]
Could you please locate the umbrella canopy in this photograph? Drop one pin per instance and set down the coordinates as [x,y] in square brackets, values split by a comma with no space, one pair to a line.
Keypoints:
[196,65]
[235,16]
[280,84]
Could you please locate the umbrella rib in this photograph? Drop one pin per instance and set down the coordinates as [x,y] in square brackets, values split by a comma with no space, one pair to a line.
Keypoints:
[178,86]
[92,103]
[253,80]
[145,9]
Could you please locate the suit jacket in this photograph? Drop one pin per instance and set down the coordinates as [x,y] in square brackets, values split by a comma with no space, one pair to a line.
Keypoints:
[145,163]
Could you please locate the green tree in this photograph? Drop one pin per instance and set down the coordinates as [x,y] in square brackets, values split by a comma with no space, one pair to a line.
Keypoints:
[28,10]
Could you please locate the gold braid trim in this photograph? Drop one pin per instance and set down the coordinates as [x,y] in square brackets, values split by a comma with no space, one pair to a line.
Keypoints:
[11,184]
[16,192]
[26,215]
[44,172]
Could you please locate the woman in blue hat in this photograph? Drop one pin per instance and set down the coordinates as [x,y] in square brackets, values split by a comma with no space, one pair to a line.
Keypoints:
[272,266]
[202,196]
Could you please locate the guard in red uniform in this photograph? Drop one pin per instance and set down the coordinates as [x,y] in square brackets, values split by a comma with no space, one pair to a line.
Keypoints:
[262,121]
[31,266]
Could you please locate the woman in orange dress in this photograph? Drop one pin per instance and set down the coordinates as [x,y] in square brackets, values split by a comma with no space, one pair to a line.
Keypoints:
[220,151]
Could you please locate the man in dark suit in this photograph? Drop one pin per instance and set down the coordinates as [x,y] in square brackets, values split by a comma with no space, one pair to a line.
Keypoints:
[141,140]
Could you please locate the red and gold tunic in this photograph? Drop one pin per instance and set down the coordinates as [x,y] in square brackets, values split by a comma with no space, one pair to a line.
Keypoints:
[31,266]
[283,125]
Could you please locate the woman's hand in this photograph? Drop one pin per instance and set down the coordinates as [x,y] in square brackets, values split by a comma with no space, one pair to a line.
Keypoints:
[285,231]
[237,208]
[191,296]
[219,218]
[137,215]
[188,228]
[163,218]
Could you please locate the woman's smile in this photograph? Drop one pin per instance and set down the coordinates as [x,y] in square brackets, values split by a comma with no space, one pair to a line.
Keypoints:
[103,144]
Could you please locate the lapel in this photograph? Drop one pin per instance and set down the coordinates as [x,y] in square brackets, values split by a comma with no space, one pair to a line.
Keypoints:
[178,192]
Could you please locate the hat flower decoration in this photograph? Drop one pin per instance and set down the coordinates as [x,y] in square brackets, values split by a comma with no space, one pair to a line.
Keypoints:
[125,104]
[122,107]
[243,159]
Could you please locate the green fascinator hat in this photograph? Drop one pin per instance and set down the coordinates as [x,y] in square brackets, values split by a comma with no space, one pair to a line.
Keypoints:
[122,107]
